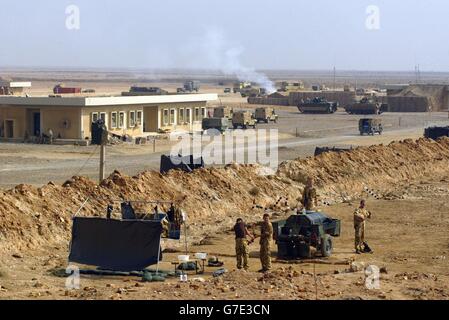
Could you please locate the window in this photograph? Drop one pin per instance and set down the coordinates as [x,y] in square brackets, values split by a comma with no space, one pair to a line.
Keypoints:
[203,113]
[139,117]
[94,116]
[165,117]
[188,115]
[121,119]
[197,114]
[172,116]
[103,116]
[181,116]
[113,120]
[132,119]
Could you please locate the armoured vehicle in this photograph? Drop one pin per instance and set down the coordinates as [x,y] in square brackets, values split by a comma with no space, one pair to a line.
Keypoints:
[266,115]
[366,106]
[317,105]
[243,119]
[436,132]
[299,233]
[252,92]
[370,126]
[220,124]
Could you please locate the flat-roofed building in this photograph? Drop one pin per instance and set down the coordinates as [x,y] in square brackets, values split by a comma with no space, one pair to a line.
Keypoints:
[71,117]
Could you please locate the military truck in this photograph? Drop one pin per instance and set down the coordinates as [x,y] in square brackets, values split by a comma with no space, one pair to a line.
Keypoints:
[220,124]
[223,112]
[436,132]
[370,126]
[366,106]
[243,119]
[317,105]
[265,115]
[299,233]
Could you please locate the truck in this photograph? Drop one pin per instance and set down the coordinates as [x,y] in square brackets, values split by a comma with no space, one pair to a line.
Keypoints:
[61,89]
[243,119]
[370,126]
[189,86]
[296,235]
[366,106]
[265,115]
[317,105]
[223,112]
[220,124]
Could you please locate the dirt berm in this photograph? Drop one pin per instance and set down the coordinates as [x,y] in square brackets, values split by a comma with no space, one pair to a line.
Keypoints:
[31,217]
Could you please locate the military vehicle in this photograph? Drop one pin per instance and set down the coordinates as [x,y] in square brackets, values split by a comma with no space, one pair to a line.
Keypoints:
[436,132]
[370,126]
[190,86]
[243,119]
[223,112]
[227,90]
[265,115]
[252,92]
[220,124]
[320,150]
[366,106]
[317,105]
[299,233]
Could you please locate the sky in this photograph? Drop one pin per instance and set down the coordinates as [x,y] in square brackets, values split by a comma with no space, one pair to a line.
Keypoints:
[227,35]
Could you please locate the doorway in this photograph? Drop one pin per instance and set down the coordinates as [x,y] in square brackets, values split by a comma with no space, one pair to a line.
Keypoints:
[9,129]
[36,124]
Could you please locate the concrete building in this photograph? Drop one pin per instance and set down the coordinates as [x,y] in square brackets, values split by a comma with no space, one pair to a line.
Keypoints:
[13,87]
[70,118]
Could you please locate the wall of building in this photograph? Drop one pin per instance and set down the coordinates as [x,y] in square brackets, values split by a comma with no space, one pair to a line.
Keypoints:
[132,128]
[18,116]
[64,122]
[182,116]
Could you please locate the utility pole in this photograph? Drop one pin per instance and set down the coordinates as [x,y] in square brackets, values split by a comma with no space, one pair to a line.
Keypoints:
[102,160]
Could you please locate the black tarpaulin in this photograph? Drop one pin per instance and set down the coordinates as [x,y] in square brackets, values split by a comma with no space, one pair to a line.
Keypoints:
[187,163]
[120,245]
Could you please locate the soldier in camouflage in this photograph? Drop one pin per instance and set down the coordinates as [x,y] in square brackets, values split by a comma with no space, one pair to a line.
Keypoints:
[309,196]
[241,244]
[360,216]
[265,243]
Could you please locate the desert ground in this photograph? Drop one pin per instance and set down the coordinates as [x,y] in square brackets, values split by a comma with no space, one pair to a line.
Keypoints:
[407,177]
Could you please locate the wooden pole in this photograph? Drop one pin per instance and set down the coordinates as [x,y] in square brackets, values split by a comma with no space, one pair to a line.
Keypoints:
[102,162]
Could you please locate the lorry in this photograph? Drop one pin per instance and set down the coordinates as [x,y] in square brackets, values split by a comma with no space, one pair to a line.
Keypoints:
[61,89]
[317,105]
[296,235]
[265,115]
[366,106]
[243,119]
[223,112]
[370,126]
[220,124]
[189,86]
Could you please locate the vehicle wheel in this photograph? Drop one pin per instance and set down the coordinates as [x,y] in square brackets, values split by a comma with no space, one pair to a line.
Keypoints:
[236,127]
[266,120]
[327,245]
[245,127]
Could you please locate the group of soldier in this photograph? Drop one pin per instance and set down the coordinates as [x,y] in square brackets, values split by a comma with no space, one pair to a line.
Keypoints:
[308,202]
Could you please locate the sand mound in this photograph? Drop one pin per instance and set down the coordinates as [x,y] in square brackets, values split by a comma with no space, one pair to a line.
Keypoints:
[31,217]
[379,167]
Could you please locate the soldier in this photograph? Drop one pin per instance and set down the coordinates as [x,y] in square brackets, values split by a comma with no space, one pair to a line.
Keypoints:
[309,197]
[265,243]
[241,244]
[360,216]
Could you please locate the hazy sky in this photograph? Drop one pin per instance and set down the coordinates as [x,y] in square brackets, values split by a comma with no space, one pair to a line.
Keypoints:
[263,34]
